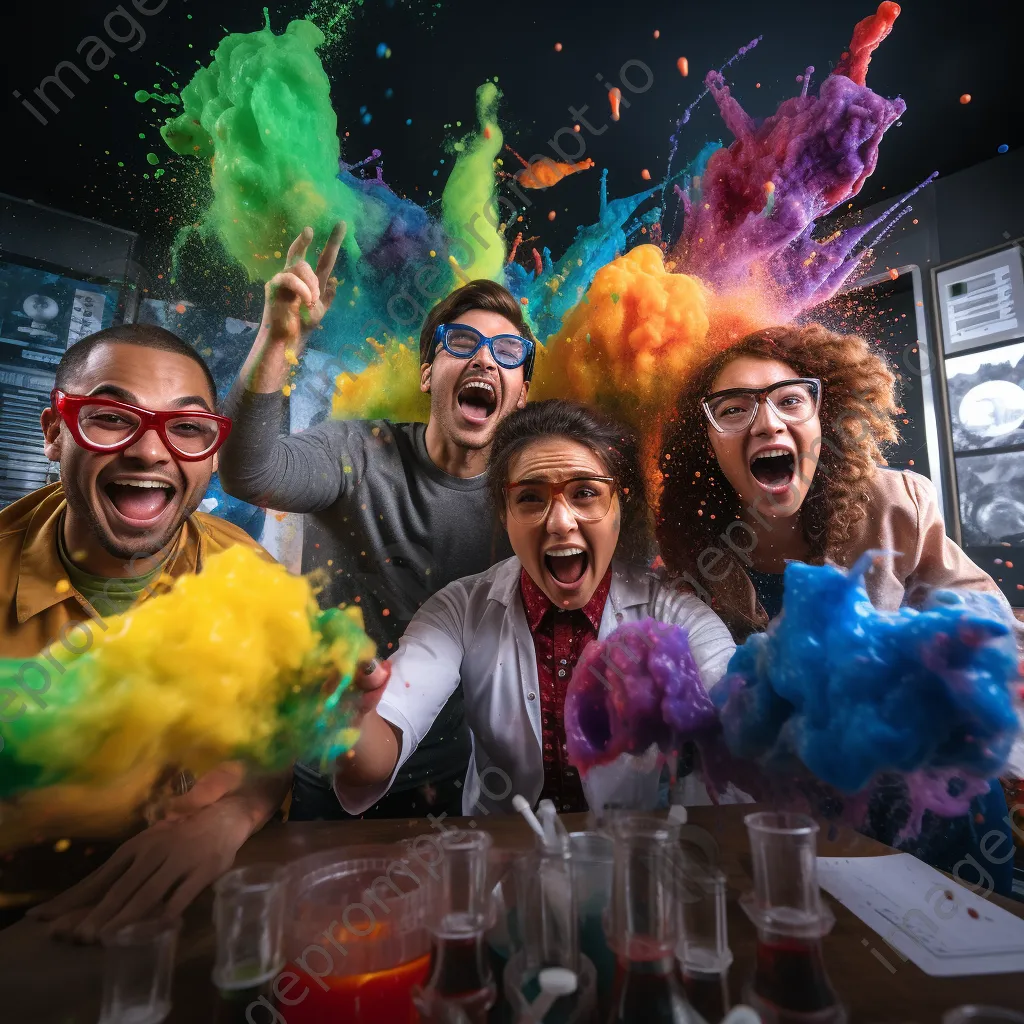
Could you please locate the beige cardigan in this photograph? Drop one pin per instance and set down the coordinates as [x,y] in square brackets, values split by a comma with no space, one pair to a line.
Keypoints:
[903,516]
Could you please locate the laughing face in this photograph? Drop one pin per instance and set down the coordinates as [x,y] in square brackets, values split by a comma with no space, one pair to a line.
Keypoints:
[566,556]
[470,397]
[126,506]
[771,463]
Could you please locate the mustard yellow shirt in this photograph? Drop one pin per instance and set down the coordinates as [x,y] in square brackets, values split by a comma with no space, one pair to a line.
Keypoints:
[37,598]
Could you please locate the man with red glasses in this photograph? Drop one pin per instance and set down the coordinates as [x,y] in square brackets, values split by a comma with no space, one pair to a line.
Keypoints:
[395,511]
[133,428]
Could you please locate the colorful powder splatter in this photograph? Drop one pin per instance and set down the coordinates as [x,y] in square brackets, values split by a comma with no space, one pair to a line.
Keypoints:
[745,254]
[851,692]
[227,665]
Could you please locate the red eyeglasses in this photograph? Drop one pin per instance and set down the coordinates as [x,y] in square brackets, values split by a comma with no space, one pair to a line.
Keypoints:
[104,425]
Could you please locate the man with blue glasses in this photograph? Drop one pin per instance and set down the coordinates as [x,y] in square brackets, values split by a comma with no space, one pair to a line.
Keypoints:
[395,511]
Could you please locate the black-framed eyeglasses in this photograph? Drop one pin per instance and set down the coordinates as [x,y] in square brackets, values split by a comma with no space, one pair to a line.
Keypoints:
[509,351]
[735,409]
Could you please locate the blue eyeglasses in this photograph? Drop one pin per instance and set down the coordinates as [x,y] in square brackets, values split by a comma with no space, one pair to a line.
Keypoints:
[507,350]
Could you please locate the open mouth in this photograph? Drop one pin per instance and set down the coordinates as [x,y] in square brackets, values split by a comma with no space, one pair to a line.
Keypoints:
[568,566]
[773,469]
[139,501]
[478,400]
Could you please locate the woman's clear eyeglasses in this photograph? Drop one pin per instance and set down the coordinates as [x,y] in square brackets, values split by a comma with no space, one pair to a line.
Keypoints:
[588,498]
[735,409]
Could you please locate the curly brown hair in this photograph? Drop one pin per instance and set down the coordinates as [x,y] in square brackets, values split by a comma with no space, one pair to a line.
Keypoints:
[857,409]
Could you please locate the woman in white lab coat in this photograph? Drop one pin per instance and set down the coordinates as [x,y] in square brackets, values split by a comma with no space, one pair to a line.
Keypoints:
[569,488]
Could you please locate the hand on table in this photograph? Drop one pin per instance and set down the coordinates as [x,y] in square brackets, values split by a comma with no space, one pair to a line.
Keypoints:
[158,872]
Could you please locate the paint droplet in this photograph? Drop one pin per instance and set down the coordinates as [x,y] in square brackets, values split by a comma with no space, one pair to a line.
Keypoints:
[558,47]
[525,301]
[769,187]
[965,99]
[152,158]
[61,845]
[645,174]
[971,912]
[62,586]
[657,34]
[277,254]
[551,214]
[684,66]
[179,308]
[385,612]
[614,99]
[1004,148]
[893,273]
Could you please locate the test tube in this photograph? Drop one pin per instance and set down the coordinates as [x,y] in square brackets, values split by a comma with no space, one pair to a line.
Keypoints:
[248,913]
[137,970]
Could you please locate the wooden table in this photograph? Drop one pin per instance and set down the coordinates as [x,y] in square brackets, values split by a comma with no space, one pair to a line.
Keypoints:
[42,982]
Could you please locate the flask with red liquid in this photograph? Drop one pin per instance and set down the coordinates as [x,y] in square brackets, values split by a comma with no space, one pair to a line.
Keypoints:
[643,925]
[790,984]
[460,980]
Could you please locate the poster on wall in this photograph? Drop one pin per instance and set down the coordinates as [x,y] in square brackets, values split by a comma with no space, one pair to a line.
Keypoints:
[42,312]
[991,498]
[982,301]
[986,398]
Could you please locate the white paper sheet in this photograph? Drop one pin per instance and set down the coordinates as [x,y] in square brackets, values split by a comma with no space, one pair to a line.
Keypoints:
[942,927]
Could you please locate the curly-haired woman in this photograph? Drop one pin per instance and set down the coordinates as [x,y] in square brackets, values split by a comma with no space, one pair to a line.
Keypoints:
[774,455]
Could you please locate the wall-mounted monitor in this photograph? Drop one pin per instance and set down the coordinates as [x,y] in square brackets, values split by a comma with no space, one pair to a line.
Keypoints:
[43,310]
[981,301]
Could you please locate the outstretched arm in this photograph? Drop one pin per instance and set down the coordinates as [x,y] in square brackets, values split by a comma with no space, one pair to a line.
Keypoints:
[259,462]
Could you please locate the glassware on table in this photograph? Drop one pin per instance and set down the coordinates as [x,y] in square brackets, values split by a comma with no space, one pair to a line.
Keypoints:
[642,924]
[790,985]
[545,995]
[460,968]
[248,914]
[982,1015]
[138,965]
[357,926]
[537,980]
[593,858]
[703,951]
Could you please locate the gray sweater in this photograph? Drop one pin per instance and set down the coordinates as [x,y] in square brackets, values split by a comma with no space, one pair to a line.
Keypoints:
[386,526]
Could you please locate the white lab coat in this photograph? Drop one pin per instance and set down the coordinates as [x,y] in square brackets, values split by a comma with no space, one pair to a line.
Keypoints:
[475,630]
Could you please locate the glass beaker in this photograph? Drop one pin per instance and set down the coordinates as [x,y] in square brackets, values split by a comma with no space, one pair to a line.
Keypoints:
[643,924]
[248,914]
[357,935]
[460,967]
[790,985]
[138,965]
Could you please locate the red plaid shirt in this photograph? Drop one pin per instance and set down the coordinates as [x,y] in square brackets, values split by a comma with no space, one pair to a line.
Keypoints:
[559,638]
